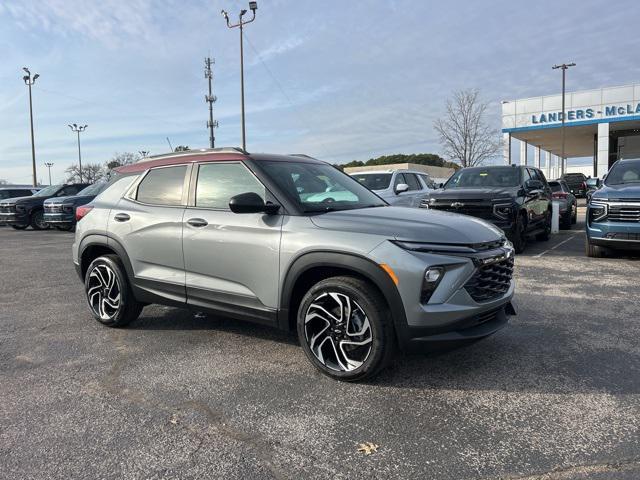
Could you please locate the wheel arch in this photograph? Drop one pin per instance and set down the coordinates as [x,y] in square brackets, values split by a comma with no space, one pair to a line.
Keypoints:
[311,267]
[93,246]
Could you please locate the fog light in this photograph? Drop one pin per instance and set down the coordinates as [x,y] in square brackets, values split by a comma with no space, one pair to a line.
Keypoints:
[432,277]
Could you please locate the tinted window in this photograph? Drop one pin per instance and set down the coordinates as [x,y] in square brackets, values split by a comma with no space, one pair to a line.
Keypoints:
[427,181]
[412,181]
[218,182]
[162,186]
[374,181]
[94,189]
[70,190]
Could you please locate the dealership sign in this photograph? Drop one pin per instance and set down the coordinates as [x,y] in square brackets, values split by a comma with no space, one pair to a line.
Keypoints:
[587,113]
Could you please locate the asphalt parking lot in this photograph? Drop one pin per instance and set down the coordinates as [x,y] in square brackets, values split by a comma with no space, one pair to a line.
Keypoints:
[554,395]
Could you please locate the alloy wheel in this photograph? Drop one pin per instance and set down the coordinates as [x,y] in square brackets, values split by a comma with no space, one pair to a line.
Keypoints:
[103,292]
[338,332]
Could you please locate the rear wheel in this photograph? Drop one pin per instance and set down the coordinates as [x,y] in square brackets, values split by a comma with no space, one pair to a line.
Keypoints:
[566,220]
[19,227]
[37,221]
[546,234]
[108,292]
[345,328]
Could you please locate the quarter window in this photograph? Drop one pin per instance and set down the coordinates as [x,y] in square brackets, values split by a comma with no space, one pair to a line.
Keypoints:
[162,186]
[218,182]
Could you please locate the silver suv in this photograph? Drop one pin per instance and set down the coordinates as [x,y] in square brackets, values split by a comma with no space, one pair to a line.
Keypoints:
[402,188]
[291,242]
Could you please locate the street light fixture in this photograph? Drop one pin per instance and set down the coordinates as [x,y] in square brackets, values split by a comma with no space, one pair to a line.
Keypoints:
[79,129]
[49,165]
[29,81]
[564,67]
[143,153]
[253,6]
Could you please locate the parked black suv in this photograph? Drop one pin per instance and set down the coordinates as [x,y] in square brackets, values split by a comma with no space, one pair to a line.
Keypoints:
[515,198]
[22,212]
[577,183]
[15,191]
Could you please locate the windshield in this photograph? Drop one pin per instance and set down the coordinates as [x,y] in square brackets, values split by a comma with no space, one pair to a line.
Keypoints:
[319,187]
[625,171]
[478,177]
[48,191]
[94,189]
[592,182]
[373,181]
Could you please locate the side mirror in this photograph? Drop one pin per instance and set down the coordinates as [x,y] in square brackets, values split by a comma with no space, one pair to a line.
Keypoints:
[401,187]
[441,185]
[251,202]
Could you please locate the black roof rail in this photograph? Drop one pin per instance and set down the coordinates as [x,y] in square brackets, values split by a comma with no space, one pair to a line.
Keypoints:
[198,151]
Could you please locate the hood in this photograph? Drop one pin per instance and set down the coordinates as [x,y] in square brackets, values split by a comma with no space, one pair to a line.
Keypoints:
[16,200]
[72,200]
[411,224]
[474,193]
[618,192]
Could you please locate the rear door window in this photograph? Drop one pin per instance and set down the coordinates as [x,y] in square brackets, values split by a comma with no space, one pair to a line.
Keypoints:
[162,186]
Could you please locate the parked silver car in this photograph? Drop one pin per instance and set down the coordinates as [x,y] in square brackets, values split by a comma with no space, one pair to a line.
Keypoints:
[294,243]
[402,188]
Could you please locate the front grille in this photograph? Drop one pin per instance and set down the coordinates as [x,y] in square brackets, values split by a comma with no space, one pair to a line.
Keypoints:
[52,208]
[7,209]
[634,237]
[474,208]
[627,213]
[490,281]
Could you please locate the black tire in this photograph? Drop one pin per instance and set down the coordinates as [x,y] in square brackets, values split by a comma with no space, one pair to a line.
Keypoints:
[594,251]
[574,216]
[97,276]
[365,303]
[546,235]
[19,227]
[566,220]
[520,235]
[37,221]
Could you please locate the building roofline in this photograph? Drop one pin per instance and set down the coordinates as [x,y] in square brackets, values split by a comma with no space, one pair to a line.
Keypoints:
[568,93]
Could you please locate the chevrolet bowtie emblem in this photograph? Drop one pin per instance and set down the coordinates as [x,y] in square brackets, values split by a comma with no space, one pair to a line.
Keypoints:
[457,205]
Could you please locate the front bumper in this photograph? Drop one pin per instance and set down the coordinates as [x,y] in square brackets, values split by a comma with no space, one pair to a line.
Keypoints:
[60,218]
[14,219]
[451,314]
[614,234]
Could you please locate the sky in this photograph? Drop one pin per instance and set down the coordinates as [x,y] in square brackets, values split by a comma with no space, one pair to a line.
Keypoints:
[339,80]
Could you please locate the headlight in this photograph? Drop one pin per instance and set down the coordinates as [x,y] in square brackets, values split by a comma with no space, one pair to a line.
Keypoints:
[503,210]
[432,277]
[598,211]
[67,208]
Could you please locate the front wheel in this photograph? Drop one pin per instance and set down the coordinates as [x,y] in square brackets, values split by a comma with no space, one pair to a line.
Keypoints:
[108,292]
[519,235]
[19,227]
[594,251]
[345,328]
[37,221]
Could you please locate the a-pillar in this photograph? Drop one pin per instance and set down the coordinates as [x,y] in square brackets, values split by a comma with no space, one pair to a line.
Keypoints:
[506,147]
[523,153]
[536,157]
[603,149]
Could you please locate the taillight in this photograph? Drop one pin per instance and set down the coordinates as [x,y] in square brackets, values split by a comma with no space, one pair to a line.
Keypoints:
[584,185]
[82,211]
[562,195]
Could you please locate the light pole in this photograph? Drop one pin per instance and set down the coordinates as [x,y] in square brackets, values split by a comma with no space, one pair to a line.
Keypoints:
[79,129]
[253,6]
[28,80]
[49,165]
[564,67]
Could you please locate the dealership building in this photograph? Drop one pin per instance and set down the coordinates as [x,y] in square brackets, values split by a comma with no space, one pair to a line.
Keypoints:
[603,124]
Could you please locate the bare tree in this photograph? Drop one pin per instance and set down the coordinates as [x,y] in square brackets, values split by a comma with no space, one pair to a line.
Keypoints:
[91,173]
[119,159]
[464,133]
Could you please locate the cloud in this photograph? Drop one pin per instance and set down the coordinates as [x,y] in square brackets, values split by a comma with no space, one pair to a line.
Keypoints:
[277,49]
[112,22]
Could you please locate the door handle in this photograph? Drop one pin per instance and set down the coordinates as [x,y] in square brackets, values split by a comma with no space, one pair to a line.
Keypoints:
[121,217]
[197,222]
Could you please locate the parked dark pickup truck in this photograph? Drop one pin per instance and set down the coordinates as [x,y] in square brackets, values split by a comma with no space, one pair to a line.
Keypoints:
[577,183]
